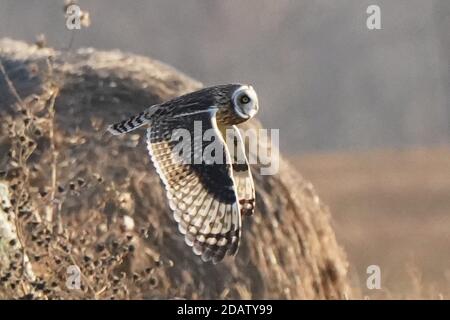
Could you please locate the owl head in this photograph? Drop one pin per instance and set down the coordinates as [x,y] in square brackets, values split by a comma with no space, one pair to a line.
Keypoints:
[244,101]
[237,103]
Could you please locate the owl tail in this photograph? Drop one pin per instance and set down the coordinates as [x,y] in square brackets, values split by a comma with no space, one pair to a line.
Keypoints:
[132,123]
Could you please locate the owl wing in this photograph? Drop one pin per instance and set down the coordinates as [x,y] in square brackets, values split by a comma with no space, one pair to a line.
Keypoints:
[202,195]
[242,174]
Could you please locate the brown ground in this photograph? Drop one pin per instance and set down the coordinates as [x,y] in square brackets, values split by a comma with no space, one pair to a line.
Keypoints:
[390,208]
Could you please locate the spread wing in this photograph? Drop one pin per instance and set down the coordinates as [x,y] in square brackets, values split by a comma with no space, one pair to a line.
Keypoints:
[241,172]
[201,194]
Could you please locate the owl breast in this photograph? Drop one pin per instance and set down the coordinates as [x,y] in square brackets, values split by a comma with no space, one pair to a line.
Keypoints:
[227,116]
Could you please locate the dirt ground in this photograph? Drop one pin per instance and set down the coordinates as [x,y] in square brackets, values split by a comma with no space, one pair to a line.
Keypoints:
[390,208]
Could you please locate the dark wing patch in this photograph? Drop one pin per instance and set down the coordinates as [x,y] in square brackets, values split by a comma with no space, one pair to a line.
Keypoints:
[202,196]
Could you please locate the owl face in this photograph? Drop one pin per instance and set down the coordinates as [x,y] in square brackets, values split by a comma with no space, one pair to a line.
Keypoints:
[244,101]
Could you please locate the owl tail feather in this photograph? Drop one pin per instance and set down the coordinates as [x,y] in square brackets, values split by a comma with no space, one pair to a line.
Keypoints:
[131,123]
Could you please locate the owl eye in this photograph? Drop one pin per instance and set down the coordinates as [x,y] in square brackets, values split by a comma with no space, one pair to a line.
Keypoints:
[244,99]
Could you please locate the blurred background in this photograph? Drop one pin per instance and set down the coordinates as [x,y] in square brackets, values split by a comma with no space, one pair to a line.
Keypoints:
[364,114]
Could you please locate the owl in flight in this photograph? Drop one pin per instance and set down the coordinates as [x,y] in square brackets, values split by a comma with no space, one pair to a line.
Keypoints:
[207,198]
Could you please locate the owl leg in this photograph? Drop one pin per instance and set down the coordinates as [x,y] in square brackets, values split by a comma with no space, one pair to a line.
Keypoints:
[247,206]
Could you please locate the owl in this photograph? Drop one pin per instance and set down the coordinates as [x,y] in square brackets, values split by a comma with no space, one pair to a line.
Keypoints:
[207,198]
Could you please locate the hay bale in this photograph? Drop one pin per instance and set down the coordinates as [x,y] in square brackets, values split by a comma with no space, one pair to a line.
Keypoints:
[288,248]
[11,250]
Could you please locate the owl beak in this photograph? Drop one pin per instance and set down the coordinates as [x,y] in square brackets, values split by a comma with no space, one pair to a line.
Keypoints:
[253,112]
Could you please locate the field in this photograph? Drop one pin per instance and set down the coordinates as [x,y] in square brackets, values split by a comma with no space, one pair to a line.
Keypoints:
[390,208]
